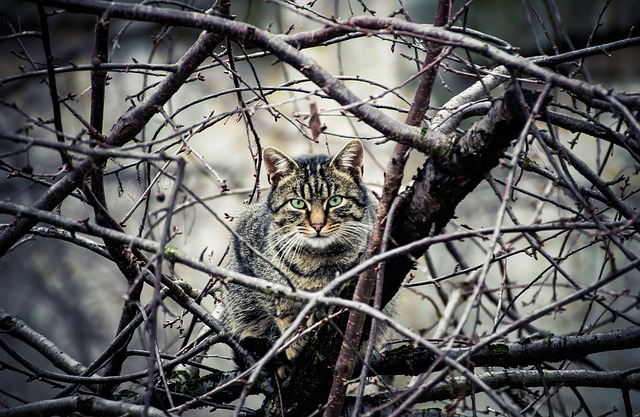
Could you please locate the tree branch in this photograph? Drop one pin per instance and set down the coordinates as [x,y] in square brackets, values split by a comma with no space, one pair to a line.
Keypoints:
[445,180]
[18,329]
[53,87]
[407,360]
[84,404]
[394,174]
[458,387]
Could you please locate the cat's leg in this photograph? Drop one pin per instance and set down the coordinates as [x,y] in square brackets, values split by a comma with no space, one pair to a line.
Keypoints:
[296,342]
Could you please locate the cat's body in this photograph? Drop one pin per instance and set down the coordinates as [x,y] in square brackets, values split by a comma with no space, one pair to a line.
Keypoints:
[314,224]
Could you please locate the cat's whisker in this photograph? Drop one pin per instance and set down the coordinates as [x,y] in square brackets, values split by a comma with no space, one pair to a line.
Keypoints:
[298,246]
[296,240]
[279,238]
[279,230]
[352,230]
[294,248]
[277,244]
[289,240]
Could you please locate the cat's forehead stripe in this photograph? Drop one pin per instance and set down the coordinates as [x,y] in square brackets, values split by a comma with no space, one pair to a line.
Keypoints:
[313,180]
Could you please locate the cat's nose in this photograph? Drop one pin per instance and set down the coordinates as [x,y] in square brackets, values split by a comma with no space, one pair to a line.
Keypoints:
[317,227]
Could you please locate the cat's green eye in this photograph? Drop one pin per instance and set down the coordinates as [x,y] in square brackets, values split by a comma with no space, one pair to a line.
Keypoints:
[335,201]
[297,203]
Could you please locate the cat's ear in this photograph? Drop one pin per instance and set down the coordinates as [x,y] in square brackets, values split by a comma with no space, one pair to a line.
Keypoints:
[277,164]
[350,159]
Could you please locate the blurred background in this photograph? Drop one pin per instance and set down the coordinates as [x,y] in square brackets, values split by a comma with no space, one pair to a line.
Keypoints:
[74,297]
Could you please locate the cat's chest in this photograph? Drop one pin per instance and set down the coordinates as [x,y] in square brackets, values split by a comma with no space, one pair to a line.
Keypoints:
[313,272]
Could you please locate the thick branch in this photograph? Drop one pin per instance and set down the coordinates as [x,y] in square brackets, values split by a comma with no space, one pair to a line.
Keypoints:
[445,180]
[407,360]
[458,387]
[84,404]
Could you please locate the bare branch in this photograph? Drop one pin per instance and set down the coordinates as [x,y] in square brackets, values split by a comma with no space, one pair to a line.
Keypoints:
[406,360]
[84,404]
[17,328]
[455,387]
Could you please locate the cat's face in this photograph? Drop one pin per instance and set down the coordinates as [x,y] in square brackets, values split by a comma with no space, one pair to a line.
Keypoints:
[318,203]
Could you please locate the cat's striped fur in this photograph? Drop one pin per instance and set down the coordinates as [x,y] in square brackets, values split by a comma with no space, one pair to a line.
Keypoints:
[314,223]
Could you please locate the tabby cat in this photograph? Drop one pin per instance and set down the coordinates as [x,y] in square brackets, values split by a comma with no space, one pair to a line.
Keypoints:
[314,223]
